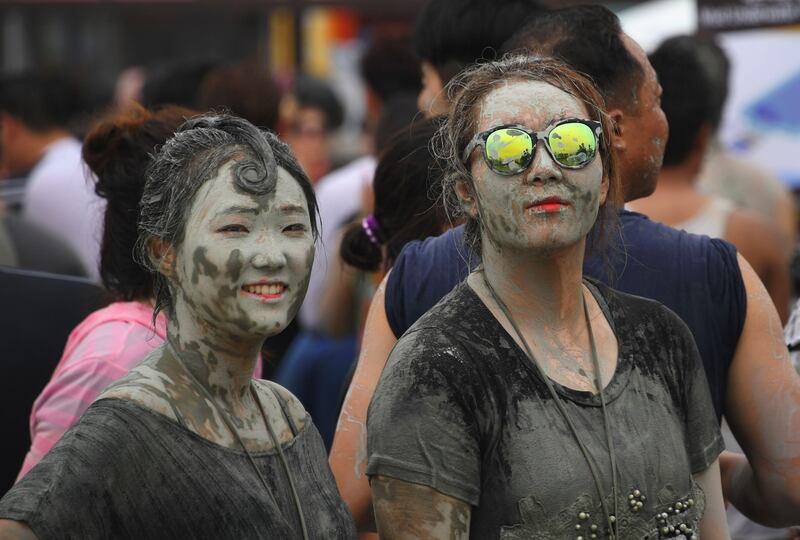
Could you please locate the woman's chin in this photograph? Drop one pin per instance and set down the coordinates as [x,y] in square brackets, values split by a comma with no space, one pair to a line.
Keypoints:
[270,328]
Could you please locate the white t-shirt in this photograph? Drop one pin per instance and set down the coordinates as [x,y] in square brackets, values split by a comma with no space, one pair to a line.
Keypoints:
[60,197]
[339,197]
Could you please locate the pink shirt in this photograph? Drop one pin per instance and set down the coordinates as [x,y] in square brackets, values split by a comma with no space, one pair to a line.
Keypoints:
[100,350]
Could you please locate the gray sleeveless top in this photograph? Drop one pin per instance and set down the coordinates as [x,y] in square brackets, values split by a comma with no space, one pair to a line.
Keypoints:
[125,471]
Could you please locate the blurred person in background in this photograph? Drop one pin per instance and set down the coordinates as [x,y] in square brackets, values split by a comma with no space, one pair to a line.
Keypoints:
[112,340]
[723,174]
[128,87]
[175,82]
[28,246]
[309,114]
[704,280]
[692,117]
[405,206]
[244,89]
[451,34]
[391,73]
[35,112]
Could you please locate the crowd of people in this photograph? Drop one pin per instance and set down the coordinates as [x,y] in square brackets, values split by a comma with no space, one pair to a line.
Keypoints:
[534,307]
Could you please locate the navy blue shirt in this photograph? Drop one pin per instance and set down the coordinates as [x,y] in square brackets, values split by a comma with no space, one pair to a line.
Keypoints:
[695,276]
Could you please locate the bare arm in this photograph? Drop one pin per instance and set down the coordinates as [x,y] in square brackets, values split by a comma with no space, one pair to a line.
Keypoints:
[15,530]
[762,407]
[348,457]
[714,524]
[406,511]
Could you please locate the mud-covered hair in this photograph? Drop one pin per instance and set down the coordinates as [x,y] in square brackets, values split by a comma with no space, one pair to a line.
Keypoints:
[467,91]
[189,159]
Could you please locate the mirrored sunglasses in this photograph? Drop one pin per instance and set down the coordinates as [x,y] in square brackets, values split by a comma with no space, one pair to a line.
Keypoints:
[509,149]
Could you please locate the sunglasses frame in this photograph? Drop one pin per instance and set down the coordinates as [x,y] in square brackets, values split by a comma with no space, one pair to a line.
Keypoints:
[480,140]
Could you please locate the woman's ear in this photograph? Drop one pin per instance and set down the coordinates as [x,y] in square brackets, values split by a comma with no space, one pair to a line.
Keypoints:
[467,197]
[162,255]
[604,184]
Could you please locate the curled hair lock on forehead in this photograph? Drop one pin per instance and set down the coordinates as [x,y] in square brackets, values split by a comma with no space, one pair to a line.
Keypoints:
[194,155]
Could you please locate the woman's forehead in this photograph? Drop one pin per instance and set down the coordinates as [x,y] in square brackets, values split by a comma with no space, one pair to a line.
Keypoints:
[221,191]
[534,104]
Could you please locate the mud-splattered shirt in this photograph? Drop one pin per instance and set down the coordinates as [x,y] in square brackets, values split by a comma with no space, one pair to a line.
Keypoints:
[127,472]
[461,409]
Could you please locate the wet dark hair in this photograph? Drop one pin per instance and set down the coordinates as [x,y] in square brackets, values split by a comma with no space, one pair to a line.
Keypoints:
[315,93]
[396,115]
[686,99]
[246,90]
[452,34]
[717,66]
[408,203]
[589,40]
[42,100]
[468,91]
[118,150]
[193,156]
[389,67]
[175,82]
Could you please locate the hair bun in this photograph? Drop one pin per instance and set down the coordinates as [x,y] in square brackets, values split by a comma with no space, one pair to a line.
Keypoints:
[359,251]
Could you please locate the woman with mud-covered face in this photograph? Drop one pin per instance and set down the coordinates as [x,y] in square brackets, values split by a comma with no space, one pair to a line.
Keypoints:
[532,402]
[188,445]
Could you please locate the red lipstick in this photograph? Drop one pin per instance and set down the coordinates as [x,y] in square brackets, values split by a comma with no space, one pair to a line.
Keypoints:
[548,205]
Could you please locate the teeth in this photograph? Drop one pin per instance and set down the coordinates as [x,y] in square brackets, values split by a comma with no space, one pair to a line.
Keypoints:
[265,289]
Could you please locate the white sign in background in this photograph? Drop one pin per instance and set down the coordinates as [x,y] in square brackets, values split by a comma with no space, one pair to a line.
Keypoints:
[762,116]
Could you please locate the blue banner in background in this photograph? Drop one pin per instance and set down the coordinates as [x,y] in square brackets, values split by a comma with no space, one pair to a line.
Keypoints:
[778,109]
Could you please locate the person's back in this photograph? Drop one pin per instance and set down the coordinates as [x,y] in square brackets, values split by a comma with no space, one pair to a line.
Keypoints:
[59,196]
[749,187]
[27,245]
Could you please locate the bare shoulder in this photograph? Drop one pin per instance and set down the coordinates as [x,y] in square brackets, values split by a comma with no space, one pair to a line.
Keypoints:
[267,391]
[15,530]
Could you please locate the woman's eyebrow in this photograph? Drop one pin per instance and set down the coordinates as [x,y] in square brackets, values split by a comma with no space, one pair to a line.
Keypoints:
[237,210]
[291,208]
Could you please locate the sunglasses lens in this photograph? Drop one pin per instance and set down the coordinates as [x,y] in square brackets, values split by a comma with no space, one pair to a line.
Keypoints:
[508,150]
[573,144]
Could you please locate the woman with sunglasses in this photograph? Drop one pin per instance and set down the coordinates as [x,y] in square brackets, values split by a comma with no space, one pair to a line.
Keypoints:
[532,402]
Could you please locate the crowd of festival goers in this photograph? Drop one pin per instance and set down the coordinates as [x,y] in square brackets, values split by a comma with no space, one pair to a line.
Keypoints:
[543,302]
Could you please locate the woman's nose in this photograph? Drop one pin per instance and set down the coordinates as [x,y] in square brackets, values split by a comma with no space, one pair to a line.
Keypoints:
[269,258]
[543,168]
